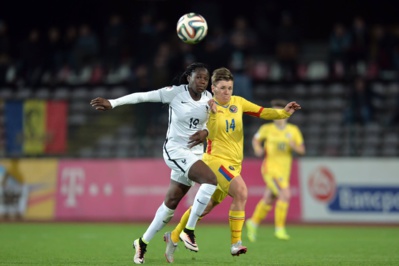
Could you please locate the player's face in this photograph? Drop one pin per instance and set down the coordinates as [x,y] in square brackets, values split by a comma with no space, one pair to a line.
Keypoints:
[222,91]
[199,79]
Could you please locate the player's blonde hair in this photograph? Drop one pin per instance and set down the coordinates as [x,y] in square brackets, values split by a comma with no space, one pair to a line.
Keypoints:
[221,74]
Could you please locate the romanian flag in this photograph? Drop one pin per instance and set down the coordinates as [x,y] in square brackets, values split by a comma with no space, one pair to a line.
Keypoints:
[35,127]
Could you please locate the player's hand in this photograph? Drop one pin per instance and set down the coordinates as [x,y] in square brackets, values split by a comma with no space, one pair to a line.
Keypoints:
[291,107]
[101,104]
[197,138]
[258,151]
[213,106]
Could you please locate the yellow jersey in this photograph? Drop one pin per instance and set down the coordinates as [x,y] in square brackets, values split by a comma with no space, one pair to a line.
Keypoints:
[278,152]
[226,133]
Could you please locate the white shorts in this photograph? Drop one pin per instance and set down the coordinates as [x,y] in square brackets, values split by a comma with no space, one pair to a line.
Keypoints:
[180,161]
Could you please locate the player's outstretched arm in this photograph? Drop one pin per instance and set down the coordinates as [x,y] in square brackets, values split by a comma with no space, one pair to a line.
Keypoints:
[101,104]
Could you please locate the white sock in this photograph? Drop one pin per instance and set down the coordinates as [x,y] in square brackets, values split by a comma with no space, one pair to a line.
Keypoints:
[162,217]
[201,200]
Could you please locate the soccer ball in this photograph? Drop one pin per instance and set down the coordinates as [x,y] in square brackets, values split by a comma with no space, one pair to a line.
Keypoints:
[192,28]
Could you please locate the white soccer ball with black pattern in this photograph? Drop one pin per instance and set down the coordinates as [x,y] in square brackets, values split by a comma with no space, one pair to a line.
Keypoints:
[192,28]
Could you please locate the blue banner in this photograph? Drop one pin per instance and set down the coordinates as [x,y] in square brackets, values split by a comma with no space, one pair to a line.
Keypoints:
[13,115]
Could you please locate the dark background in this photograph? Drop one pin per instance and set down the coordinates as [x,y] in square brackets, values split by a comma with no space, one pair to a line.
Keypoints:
[315,18]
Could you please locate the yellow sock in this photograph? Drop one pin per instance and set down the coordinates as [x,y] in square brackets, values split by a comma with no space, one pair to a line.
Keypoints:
[280,214]
[236,220]
[180,226]
[260,212]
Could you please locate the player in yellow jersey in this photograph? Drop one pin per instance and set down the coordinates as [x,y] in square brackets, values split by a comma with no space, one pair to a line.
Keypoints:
[278,140]
[224,155]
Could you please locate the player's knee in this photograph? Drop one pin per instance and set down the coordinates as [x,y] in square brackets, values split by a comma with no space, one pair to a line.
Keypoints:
[172,202]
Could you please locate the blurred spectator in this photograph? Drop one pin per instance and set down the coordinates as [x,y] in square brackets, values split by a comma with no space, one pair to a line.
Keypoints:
[243,36]
[115,37]
[264,13]
[360,109]
[359,46]
[380,48]
[5,59]
[143,40]
[53,52]
[30,66]
[160,72]
[217,47]
[339,45]
[86,48]
[69,41]
[163,33]
[4,38]
[395,48]
[287,45]
[243,42]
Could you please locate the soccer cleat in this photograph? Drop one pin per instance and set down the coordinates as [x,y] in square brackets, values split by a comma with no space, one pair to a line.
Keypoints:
[237,249]
[170,247]
[140,251]
[281,234]
[188,238]
[251,230]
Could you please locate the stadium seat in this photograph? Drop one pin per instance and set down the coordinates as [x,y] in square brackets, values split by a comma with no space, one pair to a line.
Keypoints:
[62,93]
[43,93]
[23,93]
[117,92]
[336,89]
[100,91]
[317,70]
[80,93]
[6,93]
[77,119]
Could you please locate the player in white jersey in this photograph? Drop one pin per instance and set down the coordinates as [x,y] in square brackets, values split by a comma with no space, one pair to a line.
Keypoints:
[182,150]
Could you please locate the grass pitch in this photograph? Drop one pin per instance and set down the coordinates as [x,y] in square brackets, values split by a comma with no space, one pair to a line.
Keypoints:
[111,244]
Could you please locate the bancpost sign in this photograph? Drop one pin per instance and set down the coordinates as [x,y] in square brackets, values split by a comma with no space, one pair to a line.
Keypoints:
[350,190]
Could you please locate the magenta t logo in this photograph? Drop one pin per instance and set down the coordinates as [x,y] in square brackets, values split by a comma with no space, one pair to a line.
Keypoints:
[72,185]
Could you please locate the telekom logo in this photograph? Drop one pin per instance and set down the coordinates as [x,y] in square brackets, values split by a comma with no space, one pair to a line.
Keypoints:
[72,180]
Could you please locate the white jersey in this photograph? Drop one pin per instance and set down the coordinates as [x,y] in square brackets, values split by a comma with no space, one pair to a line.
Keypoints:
[186,116]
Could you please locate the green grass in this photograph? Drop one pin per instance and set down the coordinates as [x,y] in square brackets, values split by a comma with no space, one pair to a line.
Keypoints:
[110,244]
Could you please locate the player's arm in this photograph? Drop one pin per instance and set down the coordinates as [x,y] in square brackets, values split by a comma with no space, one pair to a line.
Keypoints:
[296,143]
[212,125]
[257,146]
[102,104]
[198,137]
[298,148]
[269,113]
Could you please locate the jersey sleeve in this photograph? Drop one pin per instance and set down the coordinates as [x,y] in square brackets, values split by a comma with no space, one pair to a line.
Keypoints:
[169,93]
[253,109]
[137,97]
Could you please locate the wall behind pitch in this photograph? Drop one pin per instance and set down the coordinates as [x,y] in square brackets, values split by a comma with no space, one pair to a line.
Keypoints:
[350,190]
[134,189]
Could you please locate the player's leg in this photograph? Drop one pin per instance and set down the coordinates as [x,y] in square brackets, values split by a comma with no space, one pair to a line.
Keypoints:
[200,173]
[239,192]
[164,214]
[174,236]
[281,211]
[261,210]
